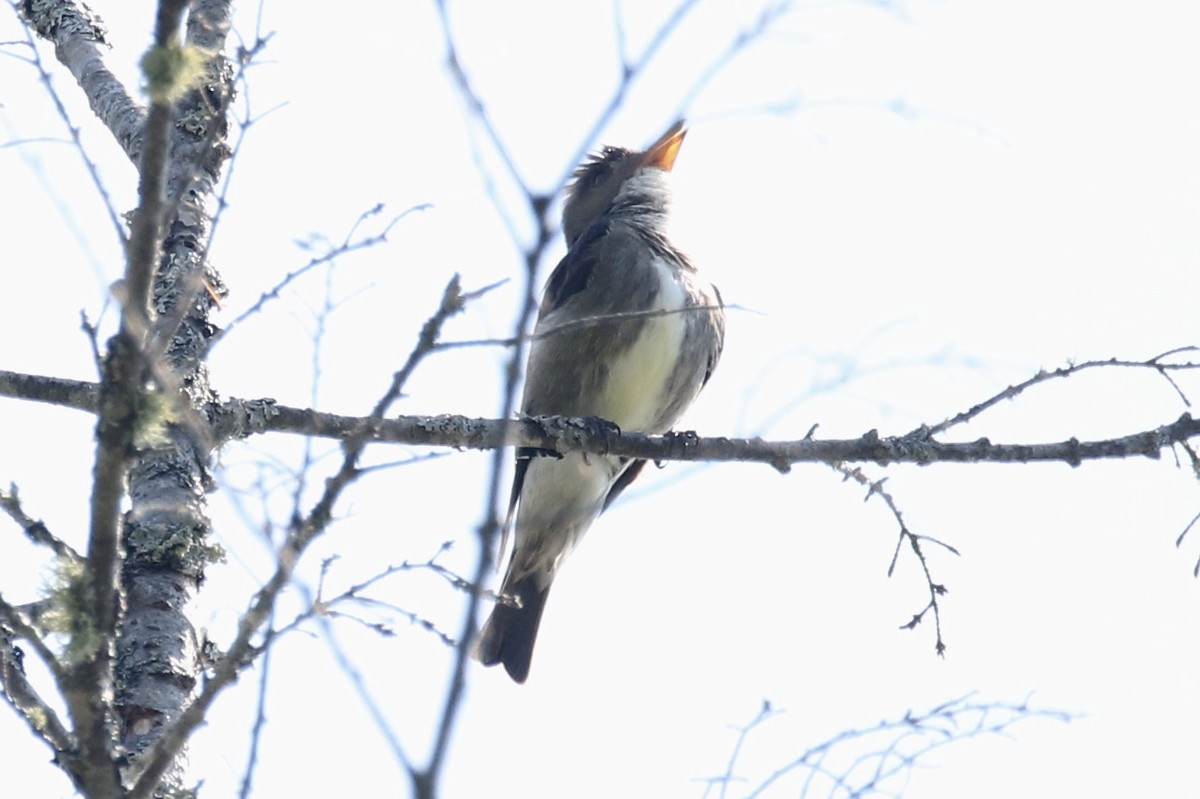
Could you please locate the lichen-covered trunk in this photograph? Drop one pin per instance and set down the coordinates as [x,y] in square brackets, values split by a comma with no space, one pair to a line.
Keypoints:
[167,533]
[133,659]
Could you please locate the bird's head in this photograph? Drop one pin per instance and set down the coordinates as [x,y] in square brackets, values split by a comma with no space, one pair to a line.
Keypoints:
[598,180]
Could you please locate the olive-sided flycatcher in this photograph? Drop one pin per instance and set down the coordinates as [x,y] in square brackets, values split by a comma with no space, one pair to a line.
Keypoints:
[628,332]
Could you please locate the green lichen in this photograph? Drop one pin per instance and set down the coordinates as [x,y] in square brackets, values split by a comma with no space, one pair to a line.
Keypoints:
[182,548]
[70,610]
[172,69]
[155,412]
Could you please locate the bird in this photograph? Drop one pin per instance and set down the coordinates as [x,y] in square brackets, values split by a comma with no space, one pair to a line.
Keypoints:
[628,332]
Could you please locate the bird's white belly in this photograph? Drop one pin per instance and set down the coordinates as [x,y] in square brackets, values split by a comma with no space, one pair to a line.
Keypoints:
[636,389]
[559,501]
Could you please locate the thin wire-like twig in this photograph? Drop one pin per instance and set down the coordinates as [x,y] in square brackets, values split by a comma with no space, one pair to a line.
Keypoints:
[35,529]
[74,132]
[875,488]
[348,245]
[260,719]
[23,697]
[869,760]
[1156,363]
[246,58]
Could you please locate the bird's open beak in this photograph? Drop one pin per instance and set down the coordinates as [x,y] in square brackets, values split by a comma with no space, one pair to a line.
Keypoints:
[662,153]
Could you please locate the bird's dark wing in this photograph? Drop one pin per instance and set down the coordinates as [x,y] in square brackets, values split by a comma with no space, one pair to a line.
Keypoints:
[622,482]
[570,277]
[574,271]
[524,454]
[718,322]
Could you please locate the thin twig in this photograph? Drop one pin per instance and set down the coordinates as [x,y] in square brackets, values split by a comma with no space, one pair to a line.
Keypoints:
[246,58]
[73,130]
[24,698]
[907,740]
[875,488]
[260,719]
[12,618]
[348,245]
[1155,363]
[35,529]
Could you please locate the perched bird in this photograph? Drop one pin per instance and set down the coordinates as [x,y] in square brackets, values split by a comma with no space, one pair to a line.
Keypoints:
[627,332]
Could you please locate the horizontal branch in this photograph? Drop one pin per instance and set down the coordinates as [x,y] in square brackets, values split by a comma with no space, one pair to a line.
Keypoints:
[567,434]
[78,394]
[241,418]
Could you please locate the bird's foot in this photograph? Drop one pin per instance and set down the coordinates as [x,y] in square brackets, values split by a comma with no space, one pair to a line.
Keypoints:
[593,428]
[574,430]
[603,429]
[680,442]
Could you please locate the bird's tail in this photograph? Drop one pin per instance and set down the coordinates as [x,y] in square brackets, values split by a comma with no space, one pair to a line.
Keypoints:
[510,632]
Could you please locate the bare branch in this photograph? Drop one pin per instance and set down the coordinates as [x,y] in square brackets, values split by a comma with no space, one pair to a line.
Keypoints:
[566,434]
[1179,542]
[879,759]
[1157,363]
[356,594]
[24,698]
[93,336]
[875,488]
[11,618]
[238,418]
[76,394]
[574,324]
[76,139]
[35,529]
[474,103]
[246,55]
[630,72]
[369,702]
[740,42]
[75,32]
[348,245]
[744,731]
[260,720]
[322,606]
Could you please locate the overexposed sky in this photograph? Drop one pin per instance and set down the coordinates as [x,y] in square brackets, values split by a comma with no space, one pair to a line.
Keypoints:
[913,205]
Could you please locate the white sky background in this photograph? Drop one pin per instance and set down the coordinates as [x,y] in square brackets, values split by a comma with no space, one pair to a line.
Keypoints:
[955,195]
